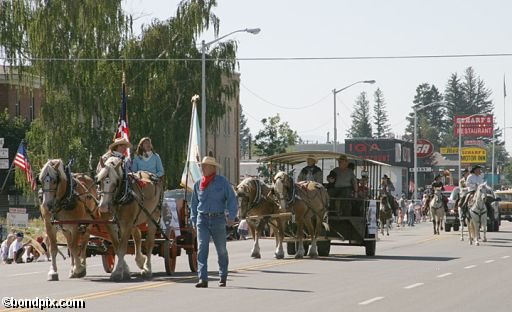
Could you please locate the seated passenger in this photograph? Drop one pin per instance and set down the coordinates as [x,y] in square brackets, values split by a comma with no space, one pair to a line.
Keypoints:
[311,172]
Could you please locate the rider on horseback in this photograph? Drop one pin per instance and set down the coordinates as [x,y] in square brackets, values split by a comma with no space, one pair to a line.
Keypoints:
[472,182]
[437,183]
[386,187]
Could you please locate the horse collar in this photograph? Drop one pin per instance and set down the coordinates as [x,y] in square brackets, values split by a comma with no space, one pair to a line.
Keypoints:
[257,197]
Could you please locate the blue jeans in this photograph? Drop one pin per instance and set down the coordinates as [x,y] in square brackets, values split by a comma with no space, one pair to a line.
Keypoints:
[214,227]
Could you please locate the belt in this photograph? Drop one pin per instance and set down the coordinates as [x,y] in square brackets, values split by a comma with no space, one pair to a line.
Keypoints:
[212,214]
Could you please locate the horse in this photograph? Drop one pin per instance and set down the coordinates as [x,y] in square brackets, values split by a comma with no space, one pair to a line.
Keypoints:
[138,207]
[255,200]
[308,201]
[477,207]
[456,196]
[385,214]
[437,210]
[66,197]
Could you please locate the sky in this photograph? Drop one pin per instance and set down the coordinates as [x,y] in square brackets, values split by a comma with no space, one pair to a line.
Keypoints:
[301,90]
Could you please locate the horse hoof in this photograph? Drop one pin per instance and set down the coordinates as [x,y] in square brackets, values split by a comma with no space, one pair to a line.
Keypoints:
[279,256]
[116,277]
[299,256]
[256,256]
[53,276]
[146,274]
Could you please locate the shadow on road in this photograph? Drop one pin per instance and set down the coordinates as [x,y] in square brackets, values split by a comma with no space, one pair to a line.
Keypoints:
[274,289]
[402,258]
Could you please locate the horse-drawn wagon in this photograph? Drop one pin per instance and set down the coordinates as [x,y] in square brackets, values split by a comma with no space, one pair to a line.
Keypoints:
[357,225]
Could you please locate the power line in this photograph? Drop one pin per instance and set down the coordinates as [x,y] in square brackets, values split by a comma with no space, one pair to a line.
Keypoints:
[305,58]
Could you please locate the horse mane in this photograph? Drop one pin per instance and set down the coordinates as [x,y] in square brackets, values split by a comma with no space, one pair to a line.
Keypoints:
[112,164]
[58,167]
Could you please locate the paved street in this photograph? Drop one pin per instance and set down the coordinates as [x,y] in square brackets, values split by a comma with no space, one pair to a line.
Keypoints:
[413,271]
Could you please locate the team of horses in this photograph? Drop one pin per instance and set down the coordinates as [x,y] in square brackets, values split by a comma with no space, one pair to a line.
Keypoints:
[75,202]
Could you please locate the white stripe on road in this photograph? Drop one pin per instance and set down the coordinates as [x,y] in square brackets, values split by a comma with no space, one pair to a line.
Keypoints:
[470,266]
[371,300]
[505,257]
[444,275]
[28,273]
[413,286]
[489,261]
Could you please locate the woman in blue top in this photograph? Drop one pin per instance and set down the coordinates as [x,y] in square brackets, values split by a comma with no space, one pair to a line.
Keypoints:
[145,159]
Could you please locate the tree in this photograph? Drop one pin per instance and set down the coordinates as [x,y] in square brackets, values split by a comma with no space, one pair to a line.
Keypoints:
[80,50]
[245,135]
[275,137]
[380,116]
[361,126]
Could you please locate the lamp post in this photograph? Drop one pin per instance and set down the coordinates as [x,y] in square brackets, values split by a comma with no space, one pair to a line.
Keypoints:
[205,46]
[416,144]
[334,92]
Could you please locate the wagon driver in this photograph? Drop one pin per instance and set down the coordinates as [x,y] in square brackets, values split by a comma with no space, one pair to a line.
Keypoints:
[311,172]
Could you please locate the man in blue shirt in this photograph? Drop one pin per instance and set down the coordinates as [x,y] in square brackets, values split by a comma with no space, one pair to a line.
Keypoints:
[211,198]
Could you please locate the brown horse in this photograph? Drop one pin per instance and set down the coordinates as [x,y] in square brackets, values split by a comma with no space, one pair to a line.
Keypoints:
[385,214]
[255,201]
[67,198]
[308,202]
[141,208]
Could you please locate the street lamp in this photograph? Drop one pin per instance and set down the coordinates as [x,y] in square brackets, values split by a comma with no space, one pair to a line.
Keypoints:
[205,46]
[334,92]
[416,144]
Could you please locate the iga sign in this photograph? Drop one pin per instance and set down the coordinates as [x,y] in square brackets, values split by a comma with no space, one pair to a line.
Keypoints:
[478,125]
[390,151]
[425,148]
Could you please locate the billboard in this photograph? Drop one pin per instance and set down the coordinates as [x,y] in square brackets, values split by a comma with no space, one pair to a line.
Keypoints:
[474,125]
[474,155]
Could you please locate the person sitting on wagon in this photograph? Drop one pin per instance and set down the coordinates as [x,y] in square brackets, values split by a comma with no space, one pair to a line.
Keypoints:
[474,179]
[311,172]
[117,149]
[345,186]
[146,159]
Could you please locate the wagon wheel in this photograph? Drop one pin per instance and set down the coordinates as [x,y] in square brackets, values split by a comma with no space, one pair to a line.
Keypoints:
[170,253]
[108,260]
[192,255]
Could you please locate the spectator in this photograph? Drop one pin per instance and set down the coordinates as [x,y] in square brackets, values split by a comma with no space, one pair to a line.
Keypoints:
[16,250]
[4,248]
[243,229]
[411,214]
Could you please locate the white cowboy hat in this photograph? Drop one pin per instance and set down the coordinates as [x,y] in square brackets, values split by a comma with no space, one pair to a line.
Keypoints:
[119,141]
[312,158]
[208,160]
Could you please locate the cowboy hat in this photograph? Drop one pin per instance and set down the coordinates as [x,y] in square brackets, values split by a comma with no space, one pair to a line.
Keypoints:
[343,157]
[438,176]
[465,170]
[208,160]
[475,167]
[312,158]
[119,141]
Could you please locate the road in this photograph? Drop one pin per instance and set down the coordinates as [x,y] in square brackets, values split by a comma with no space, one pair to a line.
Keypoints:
[413,271]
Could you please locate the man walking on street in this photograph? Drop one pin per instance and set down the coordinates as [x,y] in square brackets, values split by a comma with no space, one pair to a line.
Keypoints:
[212,196]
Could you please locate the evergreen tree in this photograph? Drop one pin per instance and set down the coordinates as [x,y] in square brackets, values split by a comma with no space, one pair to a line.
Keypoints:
[245,135]
[380,116]
[361,126]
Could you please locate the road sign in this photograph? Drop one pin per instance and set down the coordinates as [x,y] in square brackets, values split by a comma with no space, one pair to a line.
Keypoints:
[421,169]
[449,150]
[4,163]
[425,148]
[4,152]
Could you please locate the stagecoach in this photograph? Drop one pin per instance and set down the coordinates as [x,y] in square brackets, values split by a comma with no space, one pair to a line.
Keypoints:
[356,228]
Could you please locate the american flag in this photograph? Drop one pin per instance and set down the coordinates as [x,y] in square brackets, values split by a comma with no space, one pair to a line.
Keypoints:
[122,130]
[21,161]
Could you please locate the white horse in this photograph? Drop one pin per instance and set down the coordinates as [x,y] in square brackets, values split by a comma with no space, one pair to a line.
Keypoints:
[437,210]
[478,213]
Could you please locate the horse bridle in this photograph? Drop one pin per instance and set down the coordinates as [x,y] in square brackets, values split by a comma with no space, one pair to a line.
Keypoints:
[291,193]
[48,176]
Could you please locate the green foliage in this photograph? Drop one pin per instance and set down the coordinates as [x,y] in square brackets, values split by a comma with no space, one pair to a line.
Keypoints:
[80,50]
[275,137]
[380,116]
[361,126]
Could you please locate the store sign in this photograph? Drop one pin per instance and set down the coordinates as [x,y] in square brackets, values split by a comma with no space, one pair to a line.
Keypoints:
[389,151]
[476,155]
[478,125]
[449,150]
[421,169]
[474,143]
[424,148]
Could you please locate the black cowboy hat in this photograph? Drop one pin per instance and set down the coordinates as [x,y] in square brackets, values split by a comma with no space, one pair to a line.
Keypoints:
[465,170]
[475,167]
[438,176]
[385,176]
